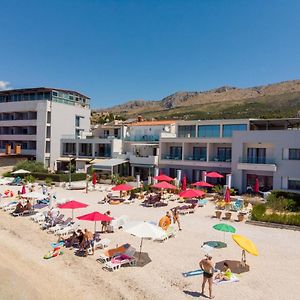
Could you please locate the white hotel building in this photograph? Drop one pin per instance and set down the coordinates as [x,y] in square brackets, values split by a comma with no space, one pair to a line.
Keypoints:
[247,148]
[36,119]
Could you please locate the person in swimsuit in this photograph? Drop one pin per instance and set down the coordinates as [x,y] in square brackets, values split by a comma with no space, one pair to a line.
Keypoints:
[207,266]
[225,275]
[176,217]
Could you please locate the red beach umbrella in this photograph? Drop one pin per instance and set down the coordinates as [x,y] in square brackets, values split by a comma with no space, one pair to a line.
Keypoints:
[256,186]
[202,184]
[95,217]
[122,187]
[191,194]
[94,180]
[183,183]
[72,205]
[162,177]
[214,175]
[164,185]
[227,195]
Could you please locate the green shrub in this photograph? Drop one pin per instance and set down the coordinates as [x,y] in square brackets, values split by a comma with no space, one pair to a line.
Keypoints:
[29,179]
[218,189]
[60,177]
[258,211]
[281,201]
[48,181]
[7,174]
[30,165]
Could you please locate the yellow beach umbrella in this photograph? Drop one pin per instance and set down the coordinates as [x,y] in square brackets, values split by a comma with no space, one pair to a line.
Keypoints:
[245,244]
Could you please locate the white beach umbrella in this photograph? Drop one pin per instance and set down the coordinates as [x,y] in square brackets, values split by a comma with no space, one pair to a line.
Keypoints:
[21,171]
[143,230]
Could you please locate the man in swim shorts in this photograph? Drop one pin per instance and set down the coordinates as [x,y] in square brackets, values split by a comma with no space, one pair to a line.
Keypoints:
[207,266]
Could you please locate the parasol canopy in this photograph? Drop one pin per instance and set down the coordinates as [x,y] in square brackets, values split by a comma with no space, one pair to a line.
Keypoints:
[245,244]
[214,175]
[164,185]
[122,187]
[191,194]
[162,177]
[202,184]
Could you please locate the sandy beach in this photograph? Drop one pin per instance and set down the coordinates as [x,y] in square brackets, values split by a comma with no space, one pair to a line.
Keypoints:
[24,274]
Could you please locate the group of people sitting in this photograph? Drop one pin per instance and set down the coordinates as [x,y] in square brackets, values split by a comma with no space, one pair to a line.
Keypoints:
[21,208]
[84,240]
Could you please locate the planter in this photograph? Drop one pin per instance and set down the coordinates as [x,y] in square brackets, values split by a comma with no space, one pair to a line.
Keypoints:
[240,217]
[228,215]
[218,214]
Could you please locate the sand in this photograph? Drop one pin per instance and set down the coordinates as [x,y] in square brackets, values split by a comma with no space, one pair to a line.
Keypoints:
[24,274]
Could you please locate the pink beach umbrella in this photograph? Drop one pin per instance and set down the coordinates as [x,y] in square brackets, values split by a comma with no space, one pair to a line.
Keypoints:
[183,183]
[256,186]
[192,194]
[214,175]
[95,217]
[162,177]
[122,187]
[164,185]
[94,180]
[202,184]
[72,205]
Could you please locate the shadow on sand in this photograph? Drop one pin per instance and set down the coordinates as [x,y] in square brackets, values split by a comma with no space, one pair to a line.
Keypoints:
[215,244]
[143,259]
[234,265]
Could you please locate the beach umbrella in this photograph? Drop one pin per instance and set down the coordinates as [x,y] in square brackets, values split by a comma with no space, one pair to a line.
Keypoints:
[94,180]
[202,184]
[143,230]
[162,177]
[256,186]
[122,187]
[183,187]
[246,245]
[164,185]
[21,171]
[227,195]
[23,191]
[72,205]
[95,217]
[191,194]
[214,175]
[225,228]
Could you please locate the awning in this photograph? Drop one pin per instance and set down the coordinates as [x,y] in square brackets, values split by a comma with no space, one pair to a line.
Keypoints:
[142,166]
[107,164]
[83,159]
[146,144]
[63,159]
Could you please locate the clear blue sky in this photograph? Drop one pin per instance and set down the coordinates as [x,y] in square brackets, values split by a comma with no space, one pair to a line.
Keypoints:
[115,51]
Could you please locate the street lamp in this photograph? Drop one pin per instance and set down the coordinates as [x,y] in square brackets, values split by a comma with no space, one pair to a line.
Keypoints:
[70,167]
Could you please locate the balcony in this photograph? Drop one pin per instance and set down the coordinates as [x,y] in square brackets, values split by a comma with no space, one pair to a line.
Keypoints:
[144,160]
[257,164]
[170,157]
[220,159]
[143,138]
[197,158]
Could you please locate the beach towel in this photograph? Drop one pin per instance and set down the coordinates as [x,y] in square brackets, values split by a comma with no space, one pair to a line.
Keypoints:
[234,278]
[195,273]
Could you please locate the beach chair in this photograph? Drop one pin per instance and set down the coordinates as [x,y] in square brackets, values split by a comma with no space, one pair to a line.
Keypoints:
[67,229]
[107,255]
[170,232]
[60,226]
[118,261]
[237,205]
[10,208]
[36,216]
[52,223]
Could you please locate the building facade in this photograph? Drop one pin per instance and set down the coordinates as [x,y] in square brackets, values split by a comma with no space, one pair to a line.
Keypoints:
[248,149]
[34,121]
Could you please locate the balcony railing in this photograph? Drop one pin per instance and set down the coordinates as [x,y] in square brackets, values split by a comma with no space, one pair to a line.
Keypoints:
[256,160]
[171,157]
[197,158]
[143,138]
[220,159]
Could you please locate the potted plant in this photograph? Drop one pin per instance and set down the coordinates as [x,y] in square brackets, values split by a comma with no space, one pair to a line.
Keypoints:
[218,214]
[228,215]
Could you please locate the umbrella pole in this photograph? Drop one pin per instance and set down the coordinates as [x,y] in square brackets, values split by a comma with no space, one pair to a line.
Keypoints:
[72,214]
[95,227]
[141,245]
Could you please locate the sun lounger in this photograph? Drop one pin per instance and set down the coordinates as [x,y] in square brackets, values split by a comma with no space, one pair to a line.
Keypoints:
[67,229]
[170,232]
[26,212]
[233,278]
[110,253]
[52,223]
[11,207]
[60,225]
[118,261]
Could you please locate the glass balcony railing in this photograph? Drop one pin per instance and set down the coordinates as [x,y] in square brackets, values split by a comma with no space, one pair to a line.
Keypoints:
[198,158]
[171,157]
[220,159]
[256,160]
[145,138]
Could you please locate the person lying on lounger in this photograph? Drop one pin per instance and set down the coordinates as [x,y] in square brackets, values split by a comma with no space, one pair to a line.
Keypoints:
[225,274]
[27,206]
[19,208]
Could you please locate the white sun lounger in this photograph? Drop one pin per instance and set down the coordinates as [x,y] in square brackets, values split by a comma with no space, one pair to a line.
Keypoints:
[103,243]
[117,262]
[170,232]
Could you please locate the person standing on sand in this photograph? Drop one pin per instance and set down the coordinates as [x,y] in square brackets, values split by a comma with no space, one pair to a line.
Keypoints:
[207,266]
[176,217]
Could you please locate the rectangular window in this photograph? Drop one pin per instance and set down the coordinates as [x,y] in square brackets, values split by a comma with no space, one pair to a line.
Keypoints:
[199,153]
[176,152]
[186,131]
[77,121]
[256,155]
[49,117]
[47,147]
[207,131]
[228,129]
[69,149]
[224,154]
[116,132]
[294,154]
[294,184]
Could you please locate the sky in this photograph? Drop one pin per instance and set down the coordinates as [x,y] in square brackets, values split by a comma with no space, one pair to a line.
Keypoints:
[116,51]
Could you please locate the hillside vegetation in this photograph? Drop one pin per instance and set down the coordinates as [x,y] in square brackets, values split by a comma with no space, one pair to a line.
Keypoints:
[271,101]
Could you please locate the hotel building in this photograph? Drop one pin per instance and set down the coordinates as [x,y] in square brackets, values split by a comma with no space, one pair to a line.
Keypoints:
[248,149]
[33,121]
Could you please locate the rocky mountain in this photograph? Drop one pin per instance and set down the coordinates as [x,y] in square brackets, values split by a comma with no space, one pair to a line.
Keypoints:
[274,100]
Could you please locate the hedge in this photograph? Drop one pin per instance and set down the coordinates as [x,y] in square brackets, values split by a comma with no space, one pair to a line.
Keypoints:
[60,177]
[259,214]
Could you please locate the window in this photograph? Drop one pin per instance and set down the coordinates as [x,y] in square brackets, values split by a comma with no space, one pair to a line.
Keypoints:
[256,155]
[208,131]
[186,131]
[294,154]
[224,154]
[294,184]
[77,121]
[199,153]
[47,147]
[55,94]
[228,129]
[69,148]
[48,116]
[176,152]
[116,132]
[106,133]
